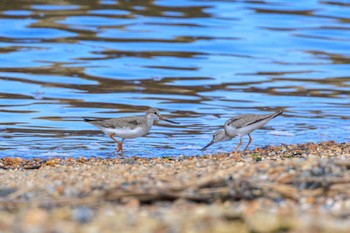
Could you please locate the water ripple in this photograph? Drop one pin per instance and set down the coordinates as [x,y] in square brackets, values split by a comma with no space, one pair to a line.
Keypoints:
[198,62]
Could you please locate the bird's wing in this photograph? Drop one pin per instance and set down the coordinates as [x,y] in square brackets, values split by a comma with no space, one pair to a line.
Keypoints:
[122,122]
[243,120]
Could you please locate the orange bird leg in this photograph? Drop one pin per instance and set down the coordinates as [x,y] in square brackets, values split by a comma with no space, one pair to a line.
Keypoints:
[239,144]
[236,153]
[250,140]
[120,147]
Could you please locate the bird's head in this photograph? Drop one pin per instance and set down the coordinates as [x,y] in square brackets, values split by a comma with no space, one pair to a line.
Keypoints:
[154,114]
[218,136]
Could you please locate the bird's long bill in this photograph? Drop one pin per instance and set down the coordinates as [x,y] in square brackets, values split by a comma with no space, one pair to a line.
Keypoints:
[209,144]
[166,119]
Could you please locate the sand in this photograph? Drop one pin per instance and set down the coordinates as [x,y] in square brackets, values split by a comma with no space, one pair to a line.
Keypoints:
[287,188]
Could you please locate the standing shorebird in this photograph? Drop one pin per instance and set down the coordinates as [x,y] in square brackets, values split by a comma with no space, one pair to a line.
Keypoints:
[129,127]
[241,125]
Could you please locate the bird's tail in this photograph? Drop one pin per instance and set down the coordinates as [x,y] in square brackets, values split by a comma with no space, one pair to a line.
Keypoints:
[276,114]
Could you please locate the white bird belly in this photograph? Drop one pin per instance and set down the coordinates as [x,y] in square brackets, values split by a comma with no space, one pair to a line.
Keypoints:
[125,132]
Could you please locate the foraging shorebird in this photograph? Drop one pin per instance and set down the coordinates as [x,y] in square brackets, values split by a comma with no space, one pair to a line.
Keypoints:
[241,125]
[129,127]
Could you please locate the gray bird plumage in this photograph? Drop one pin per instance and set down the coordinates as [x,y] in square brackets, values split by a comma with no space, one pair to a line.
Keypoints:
[129,127]
[244,120]
[241,125]
[121,122]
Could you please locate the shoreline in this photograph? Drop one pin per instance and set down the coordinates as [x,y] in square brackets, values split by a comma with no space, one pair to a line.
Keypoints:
[295,188]
[244,154]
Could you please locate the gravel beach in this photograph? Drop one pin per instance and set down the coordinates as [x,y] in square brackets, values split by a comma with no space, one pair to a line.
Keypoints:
[287,188]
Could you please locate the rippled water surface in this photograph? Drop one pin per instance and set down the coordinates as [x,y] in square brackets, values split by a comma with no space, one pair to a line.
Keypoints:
[199,62]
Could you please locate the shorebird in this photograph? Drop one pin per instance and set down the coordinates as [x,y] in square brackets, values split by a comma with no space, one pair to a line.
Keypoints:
[241,125]
[129,127]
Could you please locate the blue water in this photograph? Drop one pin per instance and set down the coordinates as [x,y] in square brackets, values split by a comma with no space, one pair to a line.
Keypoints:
[199,62]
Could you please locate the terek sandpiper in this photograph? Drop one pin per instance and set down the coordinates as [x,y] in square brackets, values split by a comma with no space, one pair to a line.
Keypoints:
[129,127]
[241,125]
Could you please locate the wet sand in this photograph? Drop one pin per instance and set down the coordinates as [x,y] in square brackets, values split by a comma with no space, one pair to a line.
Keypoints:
[289,188]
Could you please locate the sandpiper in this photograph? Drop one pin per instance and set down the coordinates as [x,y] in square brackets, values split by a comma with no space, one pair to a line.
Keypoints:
[241,125]
[129,127]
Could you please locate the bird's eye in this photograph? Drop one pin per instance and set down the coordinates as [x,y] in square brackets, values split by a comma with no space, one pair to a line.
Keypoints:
[155,113]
